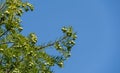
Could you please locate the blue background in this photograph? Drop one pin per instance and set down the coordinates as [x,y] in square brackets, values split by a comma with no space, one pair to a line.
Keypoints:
[97,23]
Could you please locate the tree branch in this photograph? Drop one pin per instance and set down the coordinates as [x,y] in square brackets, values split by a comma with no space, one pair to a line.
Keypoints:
[3,6]
[51,44]
[6,43]
[4,33]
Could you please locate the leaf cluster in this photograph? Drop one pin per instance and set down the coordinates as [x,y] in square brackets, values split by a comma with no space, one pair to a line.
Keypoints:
[21,54]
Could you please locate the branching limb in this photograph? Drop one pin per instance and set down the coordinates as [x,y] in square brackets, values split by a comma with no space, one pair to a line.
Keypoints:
[6,43]
[4,33]
[52,44]
[2,6]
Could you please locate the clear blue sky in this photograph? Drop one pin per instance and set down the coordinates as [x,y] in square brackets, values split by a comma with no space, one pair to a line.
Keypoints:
[97,23]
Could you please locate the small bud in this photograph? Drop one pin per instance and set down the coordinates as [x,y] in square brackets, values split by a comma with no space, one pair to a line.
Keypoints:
[69,54]
[1,49]
[72,42]
[20,29]
[69,48]
[60,64]
[74,37]
[33,38]
[7,13]
[21,11]
[69,33]
[59,47]
[64,29]
[14,56]
[31,64]
[26,9]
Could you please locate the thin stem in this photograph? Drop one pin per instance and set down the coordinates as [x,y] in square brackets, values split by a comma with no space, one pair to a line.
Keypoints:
[4,33]
[2,7]
[51,44]
[6,43]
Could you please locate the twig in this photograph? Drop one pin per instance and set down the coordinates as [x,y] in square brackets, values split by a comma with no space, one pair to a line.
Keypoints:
[3,33]
[2,7]
[51,44]
[6,43]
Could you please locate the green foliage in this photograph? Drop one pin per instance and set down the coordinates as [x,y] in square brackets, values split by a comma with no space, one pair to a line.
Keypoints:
[21,54]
